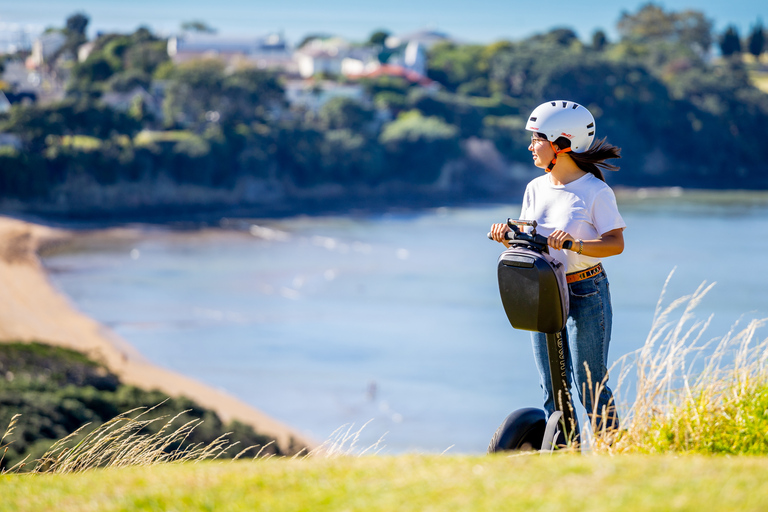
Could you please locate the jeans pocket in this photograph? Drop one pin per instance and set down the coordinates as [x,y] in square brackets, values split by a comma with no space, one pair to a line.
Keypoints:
[585,288]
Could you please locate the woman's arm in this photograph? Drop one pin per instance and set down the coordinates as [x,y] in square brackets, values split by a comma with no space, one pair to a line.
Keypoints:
[610,243]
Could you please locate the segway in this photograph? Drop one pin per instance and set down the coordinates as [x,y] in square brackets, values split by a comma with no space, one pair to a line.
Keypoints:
[534,294]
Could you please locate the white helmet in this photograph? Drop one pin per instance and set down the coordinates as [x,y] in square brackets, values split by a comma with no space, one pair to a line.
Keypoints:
[564,119]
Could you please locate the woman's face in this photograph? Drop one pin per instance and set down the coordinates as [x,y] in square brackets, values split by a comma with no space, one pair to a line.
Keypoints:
[542,152]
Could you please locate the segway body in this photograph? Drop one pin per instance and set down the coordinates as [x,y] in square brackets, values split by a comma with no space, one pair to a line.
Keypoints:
[533,290]
[534,293]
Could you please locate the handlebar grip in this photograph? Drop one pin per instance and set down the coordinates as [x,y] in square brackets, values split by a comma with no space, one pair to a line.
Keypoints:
[567,244]
[507,235]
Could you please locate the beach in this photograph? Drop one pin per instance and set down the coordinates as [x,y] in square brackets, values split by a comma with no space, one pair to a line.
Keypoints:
[31,309]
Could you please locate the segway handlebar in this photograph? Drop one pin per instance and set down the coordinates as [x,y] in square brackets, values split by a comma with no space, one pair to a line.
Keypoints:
[533,237]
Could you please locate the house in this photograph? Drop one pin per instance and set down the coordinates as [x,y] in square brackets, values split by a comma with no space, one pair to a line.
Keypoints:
[15,37]
[312,94]
[321,56]
[411,56]
[268,52]
[85,50]
[400,71]
[360,60]
[426,38]
[44,47]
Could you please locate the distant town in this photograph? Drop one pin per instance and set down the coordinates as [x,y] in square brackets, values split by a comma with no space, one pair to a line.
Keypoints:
[401,55]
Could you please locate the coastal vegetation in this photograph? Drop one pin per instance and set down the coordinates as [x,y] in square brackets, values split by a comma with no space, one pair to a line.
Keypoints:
[49,394]
[223,136]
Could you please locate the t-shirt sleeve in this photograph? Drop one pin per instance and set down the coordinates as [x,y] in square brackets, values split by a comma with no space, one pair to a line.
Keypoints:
[605,212]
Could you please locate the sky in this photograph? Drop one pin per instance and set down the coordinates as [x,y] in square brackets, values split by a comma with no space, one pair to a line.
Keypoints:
[471,21]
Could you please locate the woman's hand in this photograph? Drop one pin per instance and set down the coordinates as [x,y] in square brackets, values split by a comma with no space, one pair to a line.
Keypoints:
[498,231]
[559,237]
[610,243]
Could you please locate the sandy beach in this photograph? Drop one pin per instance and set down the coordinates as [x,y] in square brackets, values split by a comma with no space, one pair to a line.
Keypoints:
[31,309]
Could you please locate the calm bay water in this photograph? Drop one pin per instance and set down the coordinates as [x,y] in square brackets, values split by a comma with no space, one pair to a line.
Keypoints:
[395,318]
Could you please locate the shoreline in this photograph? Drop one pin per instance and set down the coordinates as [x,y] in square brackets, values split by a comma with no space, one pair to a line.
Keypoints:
[31,309]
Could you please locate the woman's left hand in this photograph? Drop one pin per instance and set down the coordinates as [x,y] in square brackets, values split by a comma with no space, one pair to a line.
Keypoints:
[558,238]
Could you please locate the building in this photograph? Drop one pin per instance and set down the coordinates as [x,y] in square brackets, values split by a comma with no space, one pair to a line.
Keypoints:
[426,38]
[14,38]
[268,52]
[321,56]
[44,47]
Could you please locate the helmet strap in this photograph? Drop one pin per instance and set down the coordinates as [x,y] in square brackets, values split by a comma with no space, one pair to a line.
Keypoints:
[557,152]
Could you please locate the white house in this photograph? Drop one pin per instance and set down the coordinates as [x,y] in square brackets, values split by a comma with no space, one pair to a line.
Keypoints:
[268,52]
[45,46]
[426,38]
[321,56]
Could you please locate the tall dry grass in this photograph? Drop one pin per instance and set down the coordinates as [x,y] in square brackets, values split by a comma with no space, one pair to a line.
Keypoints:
[124,441]
[692,394]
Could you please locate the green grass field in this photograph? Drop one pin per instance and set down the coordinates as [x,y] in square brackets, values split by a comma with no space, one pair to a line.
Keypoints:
[408,482]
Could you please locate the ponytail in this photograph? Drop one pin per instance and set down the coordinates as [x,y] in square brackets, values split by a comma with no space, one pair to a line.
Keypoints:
[593,159]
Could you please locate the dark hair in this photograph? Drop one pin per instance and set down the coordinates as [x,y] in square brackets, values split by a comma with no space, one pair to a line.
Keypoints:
[594,159]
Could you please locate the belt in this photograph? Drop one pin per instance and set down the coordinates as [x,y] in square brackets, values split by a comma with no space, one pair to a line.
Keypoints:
[581,275]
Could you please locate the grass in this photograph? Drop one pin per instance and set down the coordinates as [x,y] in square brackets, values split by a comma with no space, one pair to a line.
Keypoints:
[407,483]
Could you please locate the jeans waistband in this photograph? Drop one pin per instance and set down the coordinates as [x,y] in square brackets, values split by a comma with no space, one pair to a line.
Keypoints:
[581,275]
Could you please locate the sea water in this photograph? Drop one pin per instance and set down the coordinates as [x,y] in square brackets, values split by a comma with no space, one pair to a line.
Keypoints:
[393,319]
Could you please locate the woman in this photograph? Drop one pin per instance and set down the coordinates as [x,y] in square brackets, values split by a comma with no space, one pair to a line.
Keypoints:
[572,202]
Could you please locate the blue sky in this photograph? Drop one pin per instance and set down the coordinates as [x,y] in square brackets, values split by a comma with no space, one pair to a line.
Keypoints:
[481,21]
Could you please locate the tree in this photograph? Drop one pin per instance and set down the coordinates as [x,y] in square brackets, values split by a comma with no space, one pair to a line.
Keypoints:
[340,113]
[200,89]
[599,40]
[756,40]
[417,147]
[378,38]
[730,43]
[197,26]
[77,23]
[652,23]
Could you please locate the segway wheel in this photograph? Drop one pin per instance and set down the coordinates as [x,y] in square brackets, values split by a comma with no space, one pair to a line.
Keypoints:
[521,430]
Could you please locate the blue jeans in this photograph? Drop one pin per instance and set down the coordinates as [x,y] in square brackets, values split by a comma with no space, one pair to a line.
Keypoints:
[587,335]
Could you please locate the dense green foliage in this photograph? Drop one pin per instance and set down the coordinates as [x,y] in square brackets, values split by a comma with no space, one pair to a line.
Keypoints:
[681,117]
[57,391]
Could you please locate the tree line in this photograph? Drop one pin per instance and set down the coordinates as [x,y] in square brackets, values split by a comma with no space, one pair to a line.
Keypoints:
[681,116]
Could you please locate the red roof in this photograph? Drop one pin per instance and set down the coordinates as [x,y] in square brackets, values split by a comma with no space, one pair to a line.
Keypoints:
[393,70]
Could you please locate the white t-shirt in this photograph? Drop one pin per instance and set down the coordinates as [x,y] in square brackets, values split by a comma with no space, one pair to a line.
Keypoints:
[584,208]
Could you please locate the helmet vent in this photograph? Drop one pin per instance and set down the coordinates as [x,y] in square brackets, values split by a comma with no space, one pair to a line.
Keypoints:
[575,106]
[533,119]
[565,104]
[590,134]
[554,104]
[590,125]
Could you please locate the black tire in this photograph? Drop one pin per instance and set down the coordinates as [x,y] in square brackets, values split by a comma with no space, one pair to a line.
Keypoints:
[521,430]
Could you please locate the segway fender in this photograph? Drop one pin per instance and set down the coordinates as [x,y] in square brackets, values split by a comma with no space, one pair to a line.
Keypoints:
[521,430]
